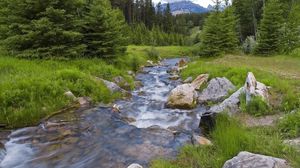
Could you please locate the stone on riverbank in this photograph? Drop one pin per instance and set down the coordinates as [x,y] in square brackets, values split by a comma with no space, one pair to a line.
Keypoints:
[216,91]
[135,165]
[254,88]
[250,160]
[197,83]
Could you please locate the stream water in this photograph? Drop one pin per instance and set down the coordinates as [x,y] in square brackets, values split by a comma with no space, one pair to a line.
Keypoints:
[101,138]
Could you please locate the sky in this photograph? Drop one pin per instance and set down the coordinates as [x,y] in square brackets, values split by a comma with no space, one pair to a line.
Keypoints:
[203,3]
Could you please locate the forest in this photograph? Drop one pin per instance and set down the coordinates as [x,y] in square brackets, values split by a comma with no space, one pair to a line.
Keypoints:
[129,83]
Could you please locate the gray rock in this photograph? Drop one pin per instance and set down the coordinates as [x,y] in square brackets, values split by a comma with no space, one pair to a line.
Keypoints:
[250,160]
[255,88]
[216,91]
[121,82]
[182,97]
[135,165]
[230,105]
[188,80]
[113,87]
[174,77]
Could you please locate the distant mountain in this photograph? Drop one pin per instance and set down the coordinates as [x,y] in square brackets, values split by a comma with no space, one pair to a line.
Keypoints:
[185,6]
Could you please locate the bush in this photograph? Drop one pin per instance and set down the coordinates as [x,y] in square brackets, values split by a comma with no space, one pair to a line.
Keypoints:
[256,107]
[153,54]
[249,45]
[290,125]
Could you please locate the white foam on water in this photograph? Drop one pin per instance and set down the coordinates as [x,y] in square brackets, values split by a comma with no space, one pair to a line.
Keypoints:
[16,154]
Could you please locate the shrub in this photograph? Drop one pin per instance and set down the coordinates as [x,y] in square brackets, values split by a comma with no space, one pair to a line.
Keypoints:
[290,125]
[153,54]
[249,45]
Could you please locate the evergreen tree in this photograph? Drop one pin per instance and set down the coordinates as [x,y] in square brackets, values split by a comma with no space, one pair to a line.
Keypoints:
[42,28]
[102,30]
[270,31]
[291,38]
[228,36]
[210,37]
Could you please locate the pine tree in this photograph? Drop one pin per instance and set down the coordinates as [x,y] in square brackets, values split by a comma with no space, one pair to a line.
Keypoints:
[43,29]
[291,38]
[211,44]
[102,30]
[270,31]
[228,25]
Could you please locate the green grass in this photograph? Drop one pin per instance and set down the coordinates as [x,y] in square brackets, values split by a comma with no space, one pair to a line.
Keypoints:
[290,125]
[164,52]
[230,138]
[256,107]
[285,92]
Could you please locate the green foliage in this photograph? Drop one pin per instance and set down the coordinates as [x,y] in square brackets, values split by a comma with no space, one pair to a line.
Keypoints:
[249,45]
[153,54]
[31,90]
[270,31]
[290,125]
[60,28]
[219,33]
[141,35]
[256,107]
[229,138]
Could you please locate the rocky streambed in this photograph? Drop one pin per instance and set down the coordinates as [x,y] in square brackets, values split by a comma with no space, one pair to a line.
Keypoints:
[143,130]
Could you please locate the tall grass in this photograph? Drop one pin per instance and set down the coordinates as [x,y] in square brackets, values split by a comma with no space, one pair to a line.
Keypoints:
[229,138]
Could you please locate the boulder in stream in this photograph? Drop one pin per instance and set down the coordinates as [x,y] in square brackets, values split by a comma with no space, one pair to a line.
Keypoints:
[183,97]
[250,160]
[216,91]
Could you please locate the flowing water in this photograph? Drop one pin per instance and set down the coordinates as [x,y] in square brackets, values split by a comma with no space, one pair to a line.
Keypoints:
[100,137]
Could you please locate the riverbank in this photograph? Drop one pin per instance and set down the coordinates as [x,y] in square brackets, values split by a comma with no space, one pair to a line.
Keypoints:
[33,89]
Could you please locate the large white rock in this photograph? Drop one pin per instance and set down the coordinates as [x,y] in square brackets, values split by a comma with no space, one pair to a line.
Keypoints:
[230,105]
[250,160]
[197,83]
[254,88]
[182,97]
[216,91]
[135,165]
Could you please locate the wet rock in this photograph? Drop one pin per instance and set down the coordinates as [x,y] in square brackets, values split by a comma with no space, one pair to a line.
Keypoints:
[255,88]
[116,108]
[120,81]
[200,140]
[196,84]
[128,119]
[182,97]
[216,91]
[135,165]
[230,105]
[114,88]
[70,95]
[149,63]
[182,62]
[173,70]
[84,101]
[174,77]
[138,84]
[2,152]
[250,160]
[188,80]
